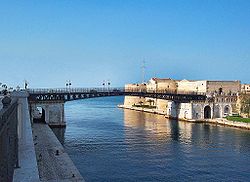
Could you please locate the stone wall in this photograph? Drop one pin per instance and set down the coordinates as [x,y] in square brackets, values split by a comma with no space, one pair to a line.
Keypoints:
[185,111]
[135,87]
[192,110]
[54,112]
[161,85]
[225,86]
[245,88]
[192,86]
[132,100]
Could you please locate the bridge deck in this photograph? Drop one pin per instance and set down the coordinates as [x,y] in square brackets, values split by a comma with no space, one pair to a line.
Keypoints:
[83,93]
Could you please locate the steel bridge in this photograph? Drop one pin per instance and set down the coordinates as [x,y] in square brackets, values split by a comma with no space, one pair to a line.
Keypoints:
[69,94]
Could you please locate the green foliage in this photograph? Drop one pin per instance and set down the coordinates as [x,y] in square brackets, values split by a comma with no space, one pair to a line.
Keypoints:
[240,119]
[245,105]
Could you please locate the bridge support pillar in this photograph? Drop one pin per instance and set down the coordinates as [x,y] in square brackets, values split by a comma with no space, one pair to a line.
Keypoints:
[51,113]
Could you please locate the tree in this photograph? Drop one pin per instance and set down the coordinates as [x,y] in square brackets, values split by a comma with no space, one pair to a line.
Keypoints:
[245,105]
[141,102]
[151,101]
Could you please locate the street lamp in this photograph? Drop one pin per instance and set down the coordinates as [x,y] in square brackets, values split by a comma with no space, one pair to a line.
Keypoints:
[109,85]
[103,84]
[26,84]
[68,84]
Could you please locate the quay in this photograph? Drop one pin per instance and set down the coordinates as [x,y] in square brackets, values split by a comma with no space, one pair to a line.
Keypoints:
[216,121]
[53,162]
[30,151]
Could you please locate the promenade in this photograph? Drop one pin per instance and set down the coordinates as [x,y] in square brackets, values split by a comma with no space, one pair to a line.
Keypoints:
[53,162]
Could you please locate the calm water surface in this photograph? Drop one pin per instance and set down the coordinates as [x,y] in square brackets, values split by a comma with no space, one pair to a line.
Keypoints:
[110,144]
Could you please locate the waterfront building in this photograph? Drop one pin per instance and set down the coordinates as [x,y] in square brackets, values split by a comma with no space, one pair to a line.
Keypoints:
[222,97]
[160,85]
[245,88]
[209,87]
[199,86]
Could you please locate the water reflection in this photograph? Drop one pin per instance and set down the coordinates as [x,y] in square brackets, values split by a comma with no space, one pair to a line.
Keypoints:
[111,144]
[157,126]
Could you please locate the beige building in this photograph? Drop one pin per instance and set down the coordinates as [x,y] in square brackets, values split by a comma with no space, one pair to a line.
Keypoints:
[223,87]
[221,100]
[192,86]
[245,88]
[209,87]
[140,87]
[161,85]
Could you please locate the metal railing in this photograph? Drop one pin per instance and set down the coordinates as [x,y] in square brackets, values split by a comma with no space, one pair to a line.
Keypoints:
[108,89]
[75,90]
[8,141]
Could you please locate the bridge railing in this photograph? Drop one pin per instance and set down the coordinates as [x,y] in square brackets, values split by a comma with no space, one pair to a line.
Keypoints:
[109,89]
[75,90]
[8,141]
[162,91]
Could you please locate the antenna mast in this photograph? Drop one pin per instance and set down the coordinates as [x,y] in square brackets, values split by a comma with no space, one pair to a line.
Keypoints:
[143,70]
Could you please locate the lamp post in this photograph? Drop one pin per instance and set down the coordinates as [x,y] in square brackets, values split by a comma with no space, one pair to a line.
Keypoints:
[103,84]
[68,84]
[109,85]
[26,84]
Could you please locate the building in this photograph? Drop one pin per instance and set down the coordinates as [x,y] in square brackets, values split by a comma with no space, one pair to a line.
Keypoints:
[221,100]
[245,88]
[209,87]
[160,85]
[198,86]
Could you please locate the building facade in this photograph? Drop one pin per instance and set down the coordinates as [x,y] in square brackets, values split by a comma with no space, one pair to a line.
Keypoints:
[221,100]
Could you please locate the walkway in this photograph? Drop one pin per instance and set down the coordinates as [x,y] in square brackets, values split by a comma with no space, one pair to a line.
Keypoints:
[54,164]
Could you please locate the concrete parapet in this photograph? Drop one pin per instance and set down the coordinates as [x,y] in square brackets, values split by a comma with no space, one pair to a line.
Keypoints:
[28,170]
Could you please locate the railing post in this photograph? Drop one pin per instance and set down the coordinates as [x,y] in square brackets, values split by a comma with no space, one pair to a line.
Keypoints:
[8,139]
[6,101]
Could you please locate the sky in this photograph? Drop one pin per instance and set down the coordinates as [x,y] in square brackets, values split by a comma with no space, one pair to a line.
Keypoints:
[90,41]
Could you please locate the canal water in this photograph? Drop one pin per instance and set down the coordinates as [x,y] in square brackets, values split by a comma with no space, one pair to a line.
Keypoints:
[111,144]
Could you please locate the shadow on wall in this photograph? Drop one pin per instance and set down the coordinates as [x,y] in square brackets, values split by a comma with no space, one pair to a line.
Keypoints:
[39,115]
[207,112]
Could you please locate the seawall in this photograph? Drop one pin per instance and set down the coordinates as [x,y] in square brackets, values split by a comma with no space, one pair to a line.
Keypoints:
[219,121]
[41,155]
[225,122]
[154,111]
[54,163]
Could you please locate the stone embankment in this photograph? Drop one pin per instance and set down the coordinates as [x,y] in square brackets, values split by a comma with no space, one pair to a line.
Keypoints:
[54,164]
[154,111]
[225,122]
[219,121]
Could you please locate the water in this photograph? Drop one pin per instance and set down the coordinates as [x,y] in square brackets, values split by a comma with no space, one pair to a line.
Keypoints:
[111,144]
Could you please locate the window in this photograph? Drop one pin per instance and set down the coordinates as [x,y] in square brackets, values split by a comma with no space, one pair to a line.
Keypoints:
[220,90]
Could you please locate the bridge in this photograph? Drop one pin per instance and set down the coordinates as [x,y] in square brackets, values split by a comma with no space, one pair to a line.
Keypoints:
[68,94]
[51,101]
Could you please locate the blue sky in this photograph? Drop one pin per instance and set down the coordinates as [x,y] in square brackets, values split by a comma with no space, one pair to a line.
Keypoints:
[87,41]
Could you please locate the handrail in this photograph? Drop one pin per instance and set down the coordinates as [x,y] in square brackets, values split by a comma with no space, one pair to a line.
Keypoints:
[107,90]
[8,141]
